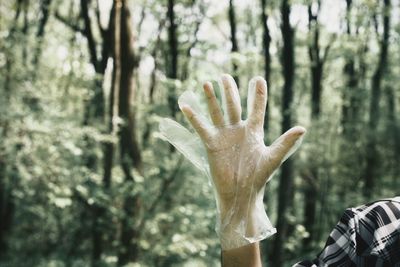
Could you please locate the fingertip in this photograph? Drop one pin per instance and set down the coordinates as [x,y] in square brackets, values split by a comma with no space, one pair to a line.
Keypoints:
[185,108]
[227,79]
[300,130]
[208,88]
[226,76]
[261,85]
[296,133]
[207,84]
[258,85]
[259,79]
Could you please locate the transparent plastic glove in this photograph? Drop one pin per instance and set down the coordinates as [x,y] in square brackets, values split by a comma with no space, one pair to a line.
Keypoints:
[231,152]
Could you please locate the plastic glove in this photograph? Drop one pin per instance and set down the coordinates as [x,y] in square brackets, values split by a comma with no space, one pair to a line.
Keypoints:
[231,152]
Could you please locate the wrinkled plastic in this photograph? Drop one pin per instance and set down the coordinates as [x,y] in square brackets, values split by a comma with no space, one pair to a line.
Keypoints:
[185,142]
[235,160]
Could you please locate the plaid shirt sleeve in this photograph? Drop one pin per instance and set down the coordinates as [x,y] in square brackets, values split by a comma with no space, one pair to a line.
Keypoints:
[367,235]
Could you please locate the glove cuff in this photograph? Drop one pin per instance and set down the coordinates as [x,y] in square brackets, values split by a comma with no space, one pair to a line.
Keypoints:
[242,226]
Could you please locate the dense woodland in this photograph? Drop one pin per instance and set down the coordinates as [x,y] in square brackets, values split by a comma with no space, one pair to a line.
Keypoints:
[86,180]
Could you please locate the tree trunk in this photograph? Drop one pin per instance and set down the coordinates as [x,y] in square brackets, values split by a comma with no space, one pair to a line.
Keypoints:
[109,147]
[128,141]
[316,68]
[266,40]
[351,102]
[234,42]
[351,116]
[95,113]
[25,29]
[129,148]
[45,10]
[172,69]
[96,105]
[267,59]
[285,194]
[372,155]
[393,134]
[6,207]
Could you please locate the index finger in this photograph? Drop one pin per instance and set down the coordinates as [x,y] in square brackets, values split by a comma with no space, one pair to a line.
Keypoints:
[195,121]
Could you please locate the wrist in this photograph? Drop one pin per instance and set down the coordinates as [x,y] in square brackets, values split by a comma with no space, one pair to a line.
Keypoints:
[243,221]
[244,256]
[238,212]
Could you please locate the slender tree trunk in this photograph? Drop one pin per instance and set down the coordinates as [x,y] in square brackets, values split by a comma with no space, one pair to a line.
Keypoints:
[316,68]
[172,41]
[351,116]
[45,10]
[172,69]
[96,105]
[129,145]
[372,155]
[234,42]
[95,113]
[154,54]
[285,194]
[351,105]
[25,29]
[109,147]
[393,134]
[266,40]
[129,148]
[6,206]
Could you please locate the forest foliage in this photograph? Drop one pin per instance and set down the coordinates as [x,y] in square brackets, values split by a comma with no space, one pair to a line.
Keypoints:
[87,180]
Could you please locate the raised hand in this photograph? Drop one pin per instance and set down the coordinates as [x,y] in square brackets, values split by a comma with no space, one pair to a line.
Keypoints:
[240,163]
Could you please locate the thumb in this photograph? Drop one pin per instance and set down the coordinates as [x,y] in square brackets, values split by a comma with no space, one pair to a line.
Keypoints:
[287,144]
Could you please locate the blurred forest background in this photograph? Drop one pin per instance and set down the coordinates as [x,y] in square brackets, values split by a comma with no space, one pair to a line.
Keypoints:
[85,179]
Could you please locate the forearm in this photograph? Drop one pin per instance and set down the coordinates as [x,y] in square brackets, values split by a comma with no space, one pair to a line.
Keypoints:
[245,256]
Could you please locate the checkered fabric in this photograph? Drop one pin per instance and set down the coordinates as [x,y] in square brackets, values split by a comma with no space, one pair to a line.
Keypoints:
[367,235]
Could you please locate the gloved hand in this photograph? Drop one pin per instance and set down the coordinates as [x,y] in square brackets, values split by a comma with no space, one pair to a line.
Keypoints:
[233,155]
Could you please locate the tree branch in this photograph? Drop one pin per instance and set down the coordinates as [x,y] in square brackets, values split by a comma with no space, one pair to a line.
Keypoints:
[327,48]
[68,23]
[154,55]
[89,34]
[163,190]
[166,183]
[97,11]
